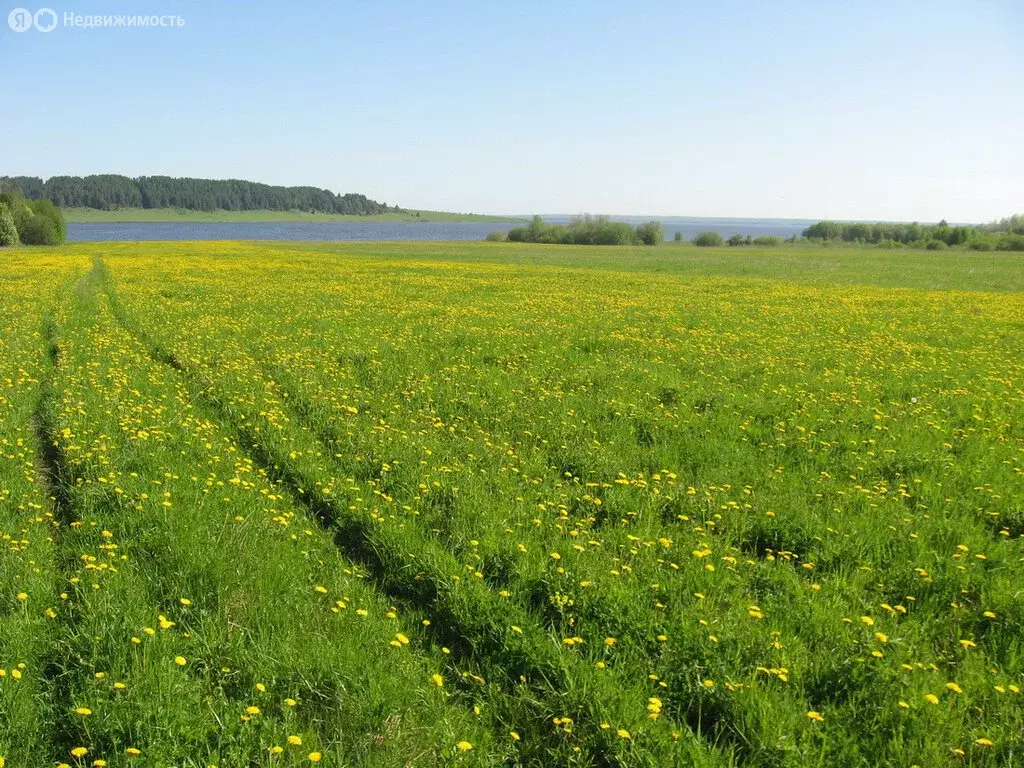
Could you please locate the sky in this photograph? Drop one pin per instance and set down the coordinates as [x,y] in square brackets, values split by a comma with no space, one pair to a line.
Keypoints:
[895,110]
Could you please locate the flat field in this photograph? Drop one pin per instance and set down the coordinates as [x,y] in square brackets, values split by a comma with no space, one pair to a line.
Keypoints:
[494,504]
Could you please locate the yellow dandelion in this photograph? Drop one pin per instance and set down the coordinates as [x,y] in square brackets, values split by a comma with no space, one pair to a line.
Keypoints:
[816,716]
[180,661]
[314,757]
[295,740]
[463,746]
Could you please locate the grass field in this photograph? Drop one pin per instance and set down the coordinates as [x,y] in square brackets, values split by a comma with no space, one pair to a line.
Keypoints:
[93,215]
[393,504]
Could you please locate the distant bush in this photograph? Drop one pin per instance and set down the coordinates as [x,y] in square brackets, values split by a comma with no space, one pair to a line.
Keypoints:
[708,239]
[678,237]
[936,245]
[771,240]
[8,230]
[588,230]
[651,233]
[981,245]
[497,236]
[736,240]
[1011,243]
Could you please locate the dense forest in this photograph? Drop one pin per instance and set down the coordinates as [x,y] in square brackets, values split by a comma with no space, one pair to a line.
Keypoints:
[110,191]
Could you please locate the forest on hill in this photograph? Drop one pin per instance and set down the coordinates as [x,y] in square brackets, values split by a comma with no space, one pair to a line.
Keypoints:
[112,191]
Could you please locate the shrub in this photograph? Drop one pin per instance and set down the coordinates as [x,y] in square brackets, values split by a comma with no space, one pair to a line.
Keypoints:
[651,233]
[678,237]
[980,245]
[40,230]
[1011,243]
[44,209]
[8,230]
[497,236]
[708,239]
[768,240]
[735,240]
[936,245]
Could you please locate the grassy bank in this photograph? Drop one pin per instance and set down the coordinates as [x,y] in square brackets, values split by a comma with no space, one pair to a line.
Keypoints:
[132,215]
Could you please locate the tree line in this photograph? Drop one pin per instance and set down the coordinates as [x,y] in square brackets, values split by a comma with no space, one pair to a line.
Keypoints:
[1003,235]
[111,191]
[585,230]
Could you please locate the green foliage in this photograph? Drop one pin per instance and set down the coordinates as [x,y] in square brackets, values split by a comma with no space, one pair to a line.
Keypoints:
[111,191]
[43,225]
[1011,243]
[497,236]
[915,235]
[8,229]
[936,245]
[708,239]
[678,237]
[588,230]
[651,233]
[1011,224]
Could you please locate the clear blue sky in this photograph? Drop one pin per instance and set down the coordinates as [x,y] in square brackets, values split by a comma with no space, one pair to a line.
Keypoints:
[811,109]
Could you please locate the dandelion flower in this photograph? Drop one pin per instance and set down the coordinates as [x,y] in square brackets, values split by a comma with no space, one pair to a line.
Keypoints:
[295,740]
[314,757]
[180,661]
[817,716]
[79,752]
[463,746]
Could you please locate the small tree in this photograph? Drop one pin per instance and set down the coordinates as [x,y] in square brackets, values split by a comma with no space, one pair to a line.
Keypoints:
[708,239]
[497,236]
[735,240]
[44,224]
[678,237]
[651,233]
[8,230]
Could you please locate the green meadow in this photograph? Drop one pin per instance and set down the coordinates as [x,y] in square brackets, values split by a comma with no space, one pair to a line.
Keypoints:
[378,504]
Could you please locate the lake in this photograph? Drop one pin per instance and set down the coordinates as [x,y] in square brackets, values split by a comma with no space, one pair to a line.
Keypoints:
[392,230]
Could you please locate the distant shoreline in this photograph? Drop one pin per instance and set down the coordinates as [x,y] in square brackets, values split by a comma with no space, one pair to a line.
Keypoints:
[157,215]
